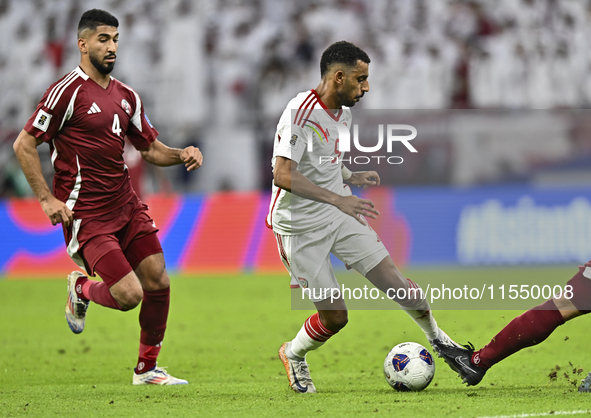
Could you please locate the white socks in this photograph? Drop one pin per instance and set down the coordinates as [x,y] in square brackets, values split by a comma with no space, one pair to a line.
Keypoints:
[311,336]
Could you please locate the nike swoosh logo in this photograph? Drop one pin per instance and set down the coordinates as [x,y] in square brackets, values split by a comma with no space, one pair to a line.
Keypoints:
[459,360]
[297,382]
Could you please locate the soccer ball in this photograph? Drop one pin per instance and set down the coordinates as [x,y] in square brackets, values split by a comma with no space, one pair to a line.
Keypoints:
[409,367]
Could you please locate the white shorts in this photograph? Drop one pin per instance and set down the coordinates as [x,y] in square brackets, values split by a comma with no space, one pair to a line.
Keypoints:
[307,256]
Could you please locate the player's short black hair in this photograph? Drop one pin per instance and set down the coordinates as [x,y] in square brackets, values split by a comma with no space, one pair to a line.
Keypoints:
[342,52]
[91,19]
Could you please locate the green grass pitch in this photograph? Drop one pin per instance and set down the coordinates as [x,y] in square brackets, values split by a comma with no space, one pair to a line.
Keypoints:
[223,337]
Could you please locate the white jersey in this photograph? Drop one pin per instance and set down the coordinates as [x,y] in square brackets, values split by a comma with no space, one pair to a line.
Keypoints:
[306,115]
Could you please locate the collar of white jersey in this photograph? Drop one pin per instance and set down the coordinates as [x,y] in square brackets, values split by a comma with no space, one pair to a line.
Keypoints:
[329,111]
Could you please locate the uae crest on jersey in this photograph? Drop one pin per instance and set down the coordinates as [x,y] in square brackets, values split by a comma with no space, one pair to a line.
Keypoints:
[303,282]
[126,106]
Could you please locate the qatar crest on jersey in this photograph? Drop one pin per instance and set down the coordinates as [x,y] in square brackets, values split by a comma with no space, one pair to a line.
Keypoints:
[125,105]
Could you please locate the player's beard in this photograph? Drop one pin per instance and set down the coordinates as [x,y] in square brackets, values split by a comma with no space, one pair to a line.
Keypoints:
[349,101]
[100,67]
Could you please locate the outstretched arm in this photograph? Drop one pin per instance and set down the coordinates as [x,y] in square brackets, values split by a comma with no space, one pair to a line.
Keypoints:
[25,148]
[159,154]
[287,177]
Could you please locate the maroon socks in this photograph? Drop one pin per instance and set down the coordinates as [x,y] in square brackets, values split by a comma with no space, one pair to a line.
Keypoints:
[153,317]
[96,291]
[530,328]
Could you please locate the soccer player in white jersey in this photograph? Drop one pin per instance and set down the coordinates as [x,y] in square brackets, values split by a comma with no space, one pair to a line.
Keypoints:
[313,213]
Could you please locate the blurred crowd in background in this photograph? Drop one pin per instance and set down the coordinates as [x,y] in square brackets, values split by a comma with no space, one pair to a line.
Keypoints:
[218,74]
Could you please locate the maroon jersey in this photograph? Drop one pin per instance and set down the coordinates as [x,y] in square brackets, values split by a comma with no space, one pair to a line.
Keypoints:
[85,126]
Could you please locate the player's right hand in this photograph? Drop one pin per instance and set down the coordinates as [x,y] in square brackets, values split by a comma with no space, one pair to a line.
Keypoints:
[354,206]
[57,211]
[192,158]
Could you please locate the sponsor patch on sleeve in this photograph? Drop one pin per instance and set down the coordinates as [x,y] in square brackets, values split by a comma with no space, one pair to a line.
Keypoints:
[148,120]
[42,120]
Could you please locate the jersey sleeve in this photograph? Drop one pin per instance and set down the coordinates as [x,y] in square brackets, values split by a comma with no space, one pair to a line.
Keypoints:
[140,133]
[47,119]
[292,141]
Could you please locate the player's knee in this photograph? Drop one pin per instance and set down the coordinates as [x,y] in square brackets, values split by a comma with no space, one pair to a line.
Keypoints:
[386,277]
[156,280]
[161,279]
[130,299]
[342,320]
[576,293]
[154,276]
[335,320]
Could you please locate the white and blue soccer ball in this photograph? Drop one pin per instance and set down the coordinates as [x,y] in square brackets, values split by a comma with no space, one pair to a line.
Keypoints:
[409,367]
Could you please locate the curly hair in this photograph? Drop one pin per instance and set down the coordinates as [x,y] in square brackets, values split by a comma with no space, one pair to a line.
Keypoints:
[341,52]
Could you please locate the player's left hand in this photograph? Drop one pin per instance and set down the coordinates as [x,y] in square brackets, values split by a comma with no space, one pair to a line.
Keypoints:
[365,179]
[192,158]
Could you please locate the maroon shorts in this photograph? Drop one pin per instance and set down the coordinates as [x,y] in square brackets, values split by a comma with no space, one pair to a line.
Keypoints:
[126,236]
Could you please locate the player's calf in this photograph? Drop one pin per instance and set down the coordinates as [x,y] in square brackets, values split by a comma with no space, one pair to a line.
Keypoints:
[579,292]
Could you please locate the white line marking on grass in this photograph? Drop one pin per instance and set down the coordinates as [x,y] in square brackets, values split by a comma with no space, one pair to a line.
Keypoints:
[542,414]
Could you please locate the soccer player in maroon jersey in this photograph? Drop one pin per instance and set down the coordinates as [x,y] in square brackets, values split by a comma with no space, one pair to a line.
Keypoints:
[528,329]
[84,117]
